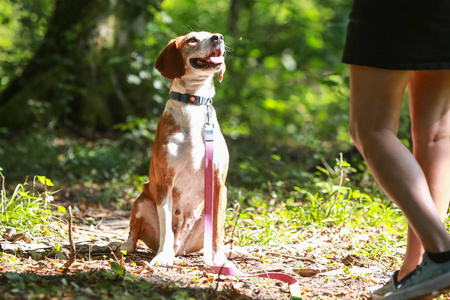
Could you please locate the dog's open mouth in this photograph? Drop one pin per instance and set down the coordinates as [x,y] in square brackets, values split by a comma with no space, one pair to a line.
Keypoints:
[214,60]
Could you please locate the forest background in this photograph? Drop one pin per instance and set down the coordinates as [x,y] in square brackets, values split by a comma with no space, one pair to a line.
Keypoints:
[80,100]
[80,97]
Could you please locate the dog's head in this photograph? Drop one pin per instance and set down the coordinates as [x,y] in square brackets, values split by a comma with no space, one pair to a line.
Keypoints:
[197,53]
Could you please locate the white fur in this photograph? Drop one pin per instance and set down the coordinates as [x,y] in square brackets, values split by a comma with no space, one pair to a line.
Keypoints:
[194,84]
[165,255]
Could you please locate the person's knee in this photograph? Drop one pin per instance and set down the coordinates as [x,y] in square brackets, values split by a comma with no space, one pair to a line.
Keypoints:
[424,138]
[366,138]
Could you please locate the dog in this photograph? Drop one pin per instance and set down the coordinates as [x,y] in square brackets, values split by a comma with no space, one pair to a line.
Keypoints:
[168,215]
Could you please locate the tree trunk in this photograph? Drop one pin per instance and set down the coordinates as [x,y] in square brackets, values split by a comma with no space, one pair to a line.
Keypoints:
[70,82]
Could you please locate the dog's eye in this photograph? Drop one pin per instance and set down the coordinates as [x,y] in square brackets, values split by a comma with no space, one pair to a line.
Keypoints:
[192,41]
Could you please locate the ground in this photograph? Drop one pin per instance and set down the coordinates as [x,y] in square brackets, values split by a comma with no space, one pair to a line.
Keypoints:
[325,264]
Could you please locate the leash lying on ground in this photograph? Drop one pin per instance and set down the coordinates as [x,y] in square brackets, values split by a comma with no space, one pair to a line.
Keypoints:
[208,215]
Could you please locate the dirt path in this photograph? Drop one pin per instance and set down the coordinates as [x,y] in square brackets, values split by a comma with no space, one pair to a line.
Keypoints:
[328,263]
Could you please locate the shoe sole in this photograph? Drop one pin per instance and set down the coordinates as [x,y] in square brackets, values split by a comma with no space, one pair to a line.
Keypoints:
[429,287]
[377,297]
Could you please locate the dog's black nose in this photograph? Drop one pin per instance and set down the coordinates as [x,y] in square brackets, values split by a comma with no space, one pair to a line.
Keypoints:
[217,38]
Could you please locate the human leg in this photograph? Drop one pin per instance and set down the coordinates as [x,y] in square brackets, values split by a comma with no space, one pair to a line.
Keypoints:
[430,114]
[376,97]
[429,97]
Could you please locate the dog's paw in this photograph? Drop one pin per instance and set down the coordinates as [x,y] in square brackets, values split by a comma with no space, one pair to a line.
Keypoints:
[219,259]
[235,251]
[163,259]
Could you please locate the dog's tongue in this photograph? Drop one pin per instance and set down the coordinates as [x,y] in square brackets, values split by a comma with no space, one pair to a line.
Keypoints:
[217,59]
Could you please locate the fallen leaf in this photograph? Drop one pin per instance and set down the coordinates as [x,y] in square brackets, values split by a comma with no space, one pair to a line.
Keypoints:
[307,272]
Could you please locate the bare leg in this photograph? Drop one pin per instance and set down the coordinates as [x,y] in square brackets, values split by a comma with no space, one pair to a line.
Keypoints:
[376,97]
[429,95]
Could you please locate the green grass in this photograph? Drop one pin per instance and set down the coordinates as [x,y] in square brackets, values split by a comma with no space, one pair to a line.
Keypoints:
[289,217]
[27,208]
[328,203]
[99,284]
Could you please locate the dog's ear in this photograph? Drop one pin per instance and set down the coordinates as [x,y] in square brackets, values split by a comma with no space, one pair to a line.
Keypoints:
[221,72]
[170,62]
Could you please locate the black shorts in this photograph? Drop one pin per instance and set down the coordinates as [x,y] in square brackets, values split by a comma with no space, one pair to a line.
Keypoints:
[399,34]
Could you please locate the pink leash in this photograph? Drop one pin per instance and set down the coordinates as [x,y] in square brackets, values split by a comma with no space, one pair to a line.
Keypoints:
[208,211]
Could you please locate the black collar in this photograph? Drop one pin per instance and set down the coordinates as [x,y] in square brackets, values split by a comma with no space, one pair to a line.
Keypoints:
[187,98]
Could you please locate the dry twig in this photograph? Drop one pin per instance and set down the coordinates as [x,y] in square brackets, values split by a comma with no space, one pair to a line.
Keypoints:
[72,251]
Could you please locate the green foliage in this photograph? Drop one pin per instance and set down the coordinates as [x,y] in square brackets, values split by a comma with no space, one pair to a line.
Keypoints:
[285,90]
[68,160]
[284,81]
[138,130]
[330,201]
[87,70]
[22,27]
[283,104]
[25,208]
[115,167]
[118,269]
[84,285]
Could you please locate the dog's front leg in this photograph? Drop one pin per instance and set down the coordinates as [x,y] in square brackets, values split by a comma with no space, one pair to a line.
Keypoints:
[220,206]
[166,254]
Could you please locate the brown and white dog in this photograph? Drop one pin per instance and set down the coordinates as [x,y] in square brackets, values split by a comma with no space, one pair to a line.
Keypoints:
[168,215]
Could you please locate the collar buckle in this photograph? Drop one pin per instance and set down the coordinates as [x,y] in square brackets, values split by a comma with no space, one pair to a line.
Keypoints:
[188,98]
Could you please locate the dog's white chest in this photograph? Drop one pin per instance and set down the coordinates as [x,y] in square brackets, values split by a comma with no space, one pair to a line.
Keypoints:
[185,149]
[186,152]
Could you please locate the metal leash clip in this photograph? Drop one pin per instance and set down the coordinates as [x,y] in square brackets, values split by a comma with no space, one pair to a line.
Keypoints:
[209,127]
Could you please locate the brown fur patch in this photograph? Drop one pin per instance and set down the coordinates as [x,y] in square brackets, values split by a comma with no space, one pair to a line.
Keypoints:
[160,175]
[170,62]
